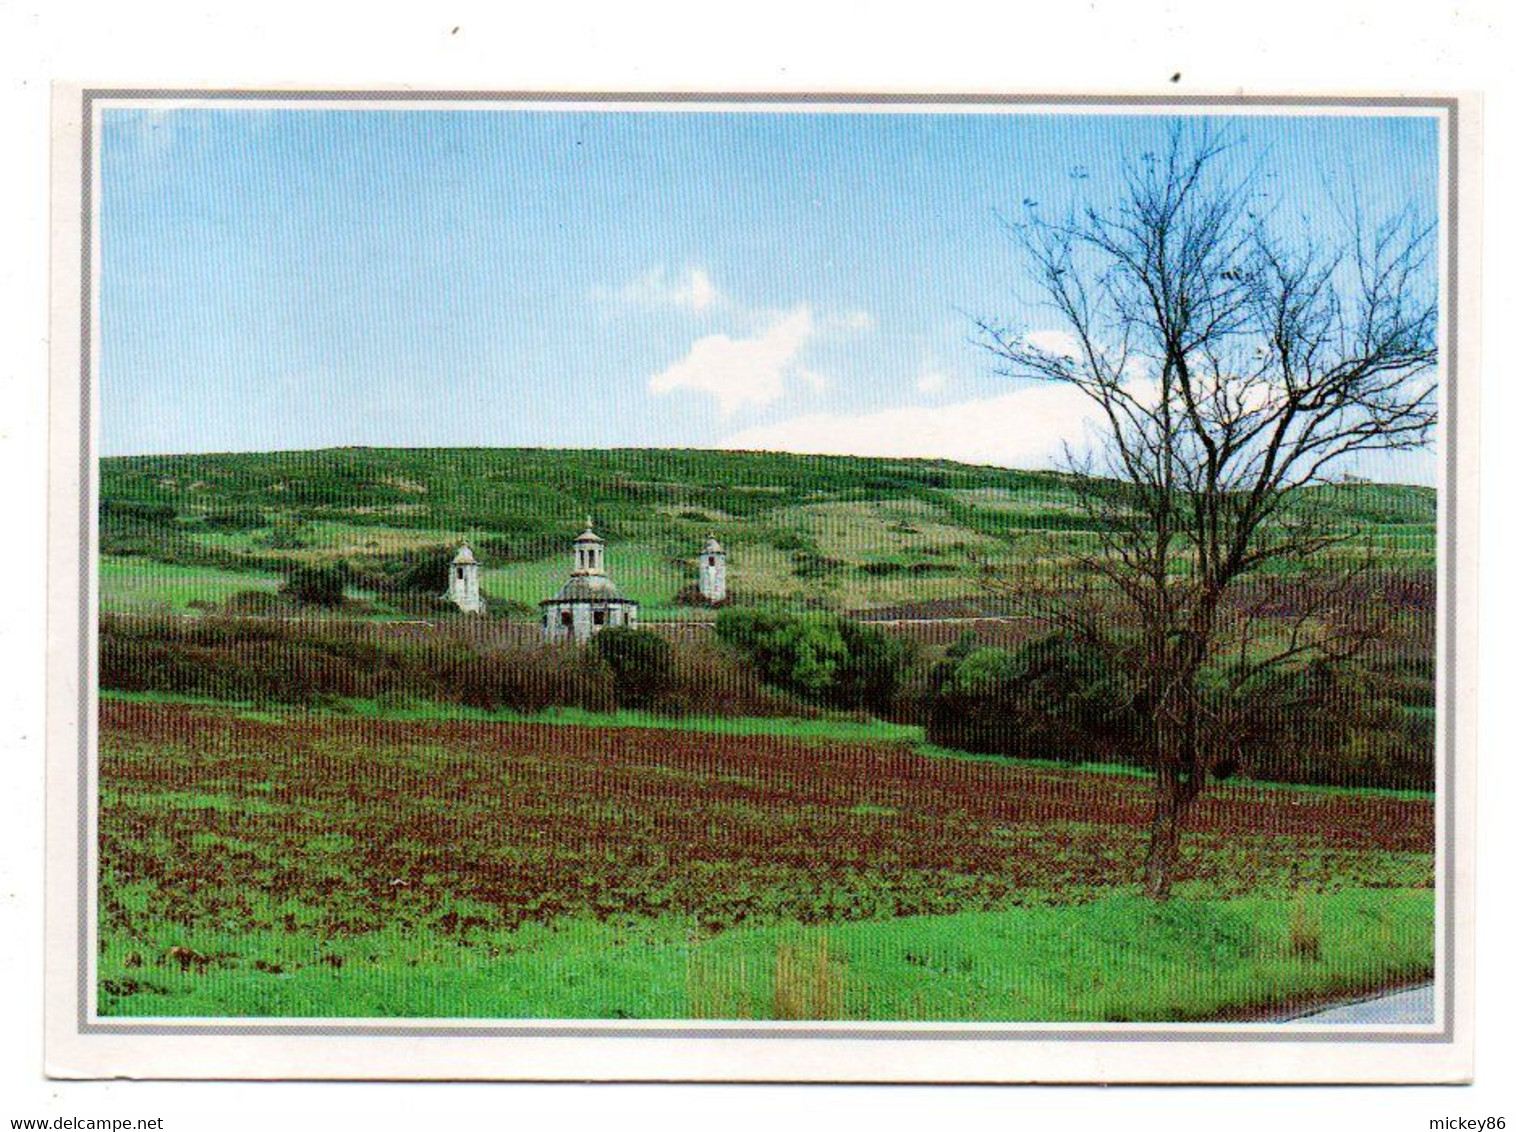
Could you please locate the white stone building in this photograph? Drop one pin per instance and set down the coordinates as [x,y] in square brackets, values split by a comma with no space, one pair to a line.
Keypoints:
[589,600]
[713,571]
[463,582]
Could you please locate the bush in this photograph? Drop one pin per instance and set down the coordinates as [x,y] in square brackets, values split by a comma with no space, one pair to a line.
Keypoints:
[286,535]
[256,603]
[1331,724]
[293,661]
[1050,698]
[316,585]
[233,519]
[134,512]
[707,679]
[640,662]
[819,656]
[424,572]
[871,669]
[478,663]
[810,566]
[504,550]
[525,680]
[690,596]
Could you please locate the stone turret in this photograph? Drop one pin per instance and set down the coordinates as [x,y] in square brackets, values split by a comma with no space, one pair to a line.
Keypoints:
[713,571]
[589,551]
[463,582]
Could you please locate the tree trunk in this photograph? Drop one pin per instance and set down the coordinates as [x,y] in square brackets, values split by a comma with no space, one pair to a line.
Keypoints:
[1163,834]
[1173,751]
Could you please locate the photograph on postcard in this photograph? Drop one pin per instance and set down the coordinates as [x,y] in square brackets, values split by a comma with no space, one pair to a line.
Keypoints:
[712,563]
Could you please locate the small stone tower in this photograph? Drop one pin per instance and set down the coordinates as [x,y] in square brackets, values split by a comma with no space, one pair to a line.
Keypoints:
[713,572]
[463,582]
[589,600]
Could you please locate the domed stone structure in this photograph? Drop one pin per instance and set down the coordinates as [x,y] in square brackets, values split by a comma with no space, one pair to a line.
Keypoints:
[589,601]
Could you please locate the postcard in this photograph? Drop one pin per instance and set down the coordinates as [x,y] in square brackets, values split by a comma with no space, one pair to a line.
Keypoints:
[844,587]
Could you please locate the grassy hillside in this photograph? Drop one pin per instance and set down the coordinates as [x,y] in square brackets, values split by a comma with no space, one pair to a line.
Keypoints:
[839,532]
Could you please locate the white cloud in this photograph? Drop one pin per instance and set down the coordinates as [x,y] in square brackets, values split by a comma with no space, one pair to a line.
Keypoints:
[932,381]
[693,290]
[743,371]
[1026,428]
[813,380]
[858,320]
[1058,342]
[698,292]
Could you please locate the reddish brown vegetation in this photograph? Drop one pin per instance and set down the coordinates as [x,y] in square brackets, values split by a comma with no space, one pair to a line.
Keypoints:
[479,663]
[464,825]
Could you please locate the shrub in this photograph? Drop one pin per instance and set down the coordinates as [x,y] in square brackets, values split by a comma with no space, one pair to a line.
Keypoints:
[525,680]
[316,585]
[813,566]
[255,603]
[819,656]
[871,668]
[1050,698]
[287,534]
[233,519]
[423,572]
[799,654]
[691,596]
[640,662]
[1332,724]
[502,550]
[291,661]
[507,608]
[130,512]
[707,679]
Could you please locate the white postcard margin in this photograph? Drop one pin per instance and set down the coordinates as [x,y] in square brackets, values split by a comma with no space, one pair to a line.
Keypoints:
[77,1046]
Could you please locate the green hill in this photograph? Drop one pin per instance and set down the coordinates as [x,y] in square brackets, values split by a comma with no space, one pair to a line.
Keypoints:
[840,532]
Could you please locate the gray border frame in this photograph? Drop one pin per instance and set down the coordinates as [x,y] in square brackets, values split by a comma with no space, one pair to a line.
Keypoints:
[896,1031]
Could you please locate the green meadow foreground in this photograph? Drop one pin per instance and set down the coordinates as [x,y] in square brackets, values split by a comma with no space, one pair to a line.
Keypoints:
[285,862]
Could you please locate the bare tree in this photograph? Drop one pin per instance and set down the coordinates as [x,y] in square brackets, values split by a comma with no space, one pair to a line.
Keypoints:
[1231,366]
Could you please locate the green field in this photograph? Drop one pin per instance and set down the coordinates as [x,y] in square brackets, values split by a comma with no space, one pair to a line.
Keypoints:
[1119,959]
[835,532]
[138,584]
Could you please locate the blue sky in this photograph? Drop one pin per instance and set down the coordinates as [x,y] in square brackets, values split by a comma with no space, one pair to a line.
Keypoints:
[294,278]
